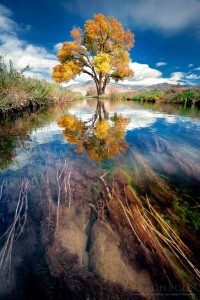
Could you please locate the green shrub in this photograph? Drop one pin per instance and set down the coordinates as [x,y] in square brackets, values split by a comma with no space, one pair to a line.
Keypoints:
[152,96]
[16,91]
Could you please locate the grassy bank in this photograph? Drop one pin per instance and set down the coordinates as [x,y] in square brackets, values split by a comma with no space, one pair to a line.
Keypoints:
[18,93]
[176,94]
[179,95]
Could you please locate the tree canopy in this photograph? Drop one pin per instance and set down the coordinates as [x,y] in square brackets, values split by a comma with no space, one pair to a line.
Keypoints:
[100,50]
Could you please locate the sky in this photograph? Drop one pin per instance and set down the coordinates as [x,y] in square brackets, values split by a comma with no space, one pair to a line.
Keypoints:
[167,35]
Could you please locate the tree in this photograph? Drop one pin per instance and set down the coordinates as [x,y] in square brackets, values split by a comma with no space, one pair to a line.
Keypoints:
[101,51]
[101,137]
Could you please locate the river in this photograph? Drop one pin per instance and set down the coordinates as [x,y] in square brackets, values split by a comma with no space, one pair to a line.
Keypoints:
[60,237]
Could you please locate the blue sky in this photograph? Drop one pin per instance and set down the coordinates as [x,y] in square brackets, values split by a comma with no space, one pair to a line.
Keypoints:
[167,35]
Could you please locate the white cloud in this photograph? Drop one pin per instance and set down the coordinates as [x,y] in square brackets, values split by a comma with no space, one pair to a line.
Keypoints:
[22,53]
[6,23]
[144,75]
[193,76]
[161,63]
[176,76]
[190,65]
[168,17]
[143,71]
[57,46]
[198,69]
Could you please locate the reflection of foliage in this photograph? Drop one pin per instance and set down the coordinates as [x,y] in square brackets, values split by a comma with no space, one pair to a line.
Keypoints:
[102,139]
[74,129]
[8,145]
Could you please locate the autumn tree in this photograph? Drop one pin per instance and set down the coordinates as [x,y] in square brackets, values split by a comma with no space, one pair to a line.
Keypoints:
[101,51]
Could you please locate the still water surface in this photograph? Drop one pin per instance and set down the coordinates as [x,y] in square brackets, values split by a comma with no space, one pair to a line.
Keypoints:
[90,139]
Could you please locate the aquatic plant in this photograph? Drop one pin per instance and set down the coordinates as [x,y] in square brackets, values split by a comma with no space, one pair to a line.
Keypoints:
[139,202]
[15,229]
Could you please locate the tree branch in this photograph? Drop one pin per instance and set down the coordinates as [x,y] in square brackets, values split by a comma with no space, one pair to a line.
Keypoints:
[87,72]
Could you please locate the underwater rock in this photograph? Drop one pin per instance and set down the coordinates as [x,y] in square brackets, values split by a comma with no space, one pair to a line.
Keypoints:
[72,233]
[107,259]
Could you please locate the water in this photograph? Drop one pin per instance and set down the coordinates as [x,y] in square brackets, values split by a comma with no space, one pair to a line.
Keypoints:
[54,161]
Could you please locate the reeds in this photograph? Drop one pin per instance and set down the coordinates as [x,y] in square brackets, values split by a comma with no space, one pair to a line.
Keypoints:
[59,180]
[18,93]
[161,247]
[15,229]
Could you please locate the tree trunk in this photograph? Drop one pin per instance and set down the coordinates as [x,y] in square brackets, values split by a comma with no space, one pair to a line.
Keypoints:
[101,85]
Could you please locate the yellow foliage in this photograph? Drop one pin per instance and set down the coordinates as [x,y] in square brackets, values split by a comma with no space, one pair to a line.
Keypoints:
[57,73]
[76,33]
[94,28]
[70,122]
[102,63]
[108,33]
[100,51]
[79,149]
[66,72]
[68,50]
[104,140]
[101,129]
[120,62]
[128,39]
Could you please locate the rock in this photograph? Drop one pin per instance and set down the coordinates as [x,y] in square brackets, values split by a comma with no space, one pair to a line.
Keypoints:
[72,233]
[107,259]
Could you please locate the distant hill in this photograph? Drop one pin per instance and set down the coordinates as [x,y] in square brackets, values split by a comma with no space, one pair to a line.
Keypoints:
[84,87]
[159,86]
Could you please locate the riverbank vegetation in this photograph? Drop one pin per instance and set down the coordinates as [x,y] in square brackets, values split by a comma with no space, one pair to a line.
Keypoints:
[179,95]
[174,95]
[18,93]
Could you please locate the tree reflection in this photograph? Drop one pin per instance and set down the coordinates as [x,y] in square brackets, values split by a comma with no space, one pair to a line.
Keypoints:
[101,136]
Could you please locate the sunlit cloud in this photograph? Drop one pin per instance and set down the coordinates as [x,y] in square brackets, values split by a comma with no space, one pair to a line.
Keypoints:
[144,75]
[177,76]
